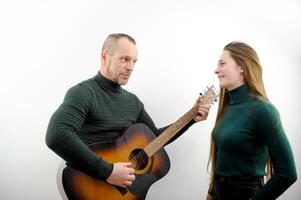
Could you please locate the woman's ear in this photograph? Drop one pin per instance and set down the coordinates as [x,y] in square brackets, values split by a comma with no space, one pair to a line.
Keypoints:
[241,70]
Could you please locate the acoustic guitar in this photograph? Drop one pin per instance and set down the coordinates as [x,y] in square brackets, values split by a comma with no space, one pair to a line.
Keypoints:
[138,145]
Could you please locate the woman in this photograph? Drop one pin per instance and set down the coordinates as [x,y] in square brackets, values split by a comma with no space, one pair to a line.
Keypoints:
[248,136]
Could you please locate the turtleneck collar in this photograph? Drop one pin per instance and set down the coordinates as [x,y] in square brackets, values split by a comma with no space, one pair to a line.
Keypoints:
[107,84]
[239,94]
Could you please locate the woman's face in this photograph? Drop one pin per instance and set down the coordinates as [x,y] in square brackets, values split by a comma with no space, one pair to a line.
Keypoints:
[229,73]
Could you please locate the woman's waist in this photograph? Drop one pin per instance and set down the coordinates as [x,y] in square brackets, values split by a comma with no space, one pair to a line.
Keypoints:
[239,179]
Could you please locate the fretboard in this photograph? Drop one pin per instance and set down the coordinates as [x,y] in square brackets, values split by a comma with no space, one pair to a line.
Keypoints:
[171,131]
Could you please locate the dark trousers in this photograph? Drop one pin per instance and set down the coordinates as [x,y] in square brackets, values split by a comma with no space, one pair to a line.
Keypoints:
[236,188]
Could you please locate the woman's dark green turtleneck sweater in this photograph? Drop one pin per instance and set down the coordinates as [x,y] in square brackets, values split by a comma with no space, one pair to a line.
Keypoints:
[249,132]
[95,110]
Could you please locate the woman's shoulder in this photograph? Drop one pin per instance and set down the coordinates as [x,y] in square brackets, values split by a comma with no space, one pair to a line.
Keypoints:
[264,108]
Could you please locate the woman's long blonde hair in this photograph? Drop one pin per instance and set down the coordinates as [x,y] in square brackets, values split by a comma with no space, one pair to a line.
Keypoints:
[246,57]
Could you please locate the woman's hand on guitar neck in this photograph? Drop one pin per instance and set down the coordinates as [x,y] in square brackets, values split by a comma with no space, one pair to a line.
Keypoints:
[122,174]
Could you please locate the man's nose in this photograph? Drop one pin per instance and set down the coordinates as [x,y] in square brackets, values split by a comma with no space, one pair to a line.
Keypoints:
[130,66]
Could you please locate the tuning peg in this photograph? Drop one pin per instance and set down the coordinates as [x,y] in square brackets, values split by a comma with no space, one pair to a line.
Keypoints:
[201,94]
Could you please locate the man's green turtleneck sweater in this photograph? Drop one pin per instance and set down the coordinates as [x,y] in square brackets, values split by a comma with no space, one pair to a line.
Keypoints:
[95,110]
[249,132]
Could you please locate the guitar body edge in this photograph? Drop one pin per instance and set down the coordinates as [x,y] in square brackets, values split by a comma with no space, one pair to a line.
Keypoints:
[79,186]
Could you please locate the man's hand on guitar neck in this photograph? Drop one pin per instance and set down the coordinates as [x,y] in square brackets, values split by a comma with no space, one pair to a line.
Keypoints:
[122,174]
[203,110]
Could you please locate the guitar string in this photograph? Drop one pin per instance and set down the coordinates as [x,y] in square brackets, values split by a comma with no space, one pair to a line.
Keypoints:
[139,157]
[142,156]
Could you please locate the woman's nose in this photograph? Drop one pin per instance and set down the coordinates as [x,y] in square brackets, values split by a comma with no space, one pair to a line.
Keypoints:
[216,71]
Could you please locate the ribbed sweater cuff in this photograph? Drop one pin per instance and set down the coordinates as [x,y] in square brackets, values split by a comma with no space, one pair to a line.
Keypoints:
[105,170]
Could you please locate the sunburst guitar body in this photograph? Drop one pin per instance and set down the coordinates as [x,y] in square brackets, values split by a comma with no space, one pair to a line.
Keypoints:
[129,147]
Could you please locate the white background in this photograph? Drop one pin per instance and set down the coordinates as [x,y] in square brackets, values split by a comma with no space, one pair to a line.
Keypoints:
[46,46]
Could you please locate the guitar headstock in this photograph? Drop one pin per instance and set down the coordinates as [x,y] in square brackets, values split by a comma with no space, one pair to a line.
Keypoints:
[210,95]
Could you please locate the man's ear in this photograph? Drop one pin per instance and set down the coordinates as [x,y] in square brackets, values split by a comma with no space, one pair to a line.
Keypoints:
[103,57]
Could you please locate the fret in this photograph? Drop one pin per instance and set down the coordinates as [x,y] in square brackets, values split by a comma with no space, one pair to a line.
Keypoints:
[208,98]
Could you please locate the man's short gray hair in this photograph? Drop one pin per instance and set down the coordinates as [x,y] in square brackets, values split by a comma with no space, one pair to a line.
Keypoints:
[110,43]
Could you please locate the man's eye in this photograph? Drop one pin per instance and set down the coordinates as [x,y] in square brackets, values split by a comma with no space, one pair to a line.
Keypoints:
[124,60]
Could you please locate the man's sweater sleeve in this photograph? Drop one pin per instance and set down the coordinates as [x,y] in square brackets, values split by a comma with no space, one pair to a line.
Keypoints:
[62,136]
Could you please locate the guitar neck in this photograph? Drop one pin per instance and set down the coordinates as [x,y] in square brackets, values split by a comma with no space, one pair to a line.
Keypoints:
[171,131]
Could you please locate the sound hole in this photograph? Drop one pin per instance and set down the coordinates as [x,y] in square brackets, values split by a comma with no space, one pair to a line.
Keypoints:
[139,159]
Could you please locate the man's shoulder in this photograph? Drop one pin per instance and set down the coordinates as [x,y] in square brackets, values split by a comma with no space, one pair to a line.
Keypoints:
[130,94]
[83,87]
[88,83]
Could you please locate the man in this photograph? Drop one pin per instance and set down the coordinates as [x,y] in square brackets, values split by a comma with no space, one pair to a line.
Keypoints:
[98,110]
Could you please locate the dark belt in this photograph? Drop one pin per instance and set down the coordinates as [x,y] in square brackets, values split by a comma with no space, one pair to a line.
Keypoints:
[236,188]
[240,179]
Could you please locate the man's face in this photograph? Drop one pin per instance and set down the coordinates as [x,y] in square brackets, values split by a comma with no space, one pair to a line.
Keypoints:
[120,65]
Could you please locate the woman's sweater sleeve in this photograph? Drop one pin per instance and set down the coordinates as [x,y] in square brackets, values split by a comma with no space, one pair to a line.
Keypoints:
[268,123]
